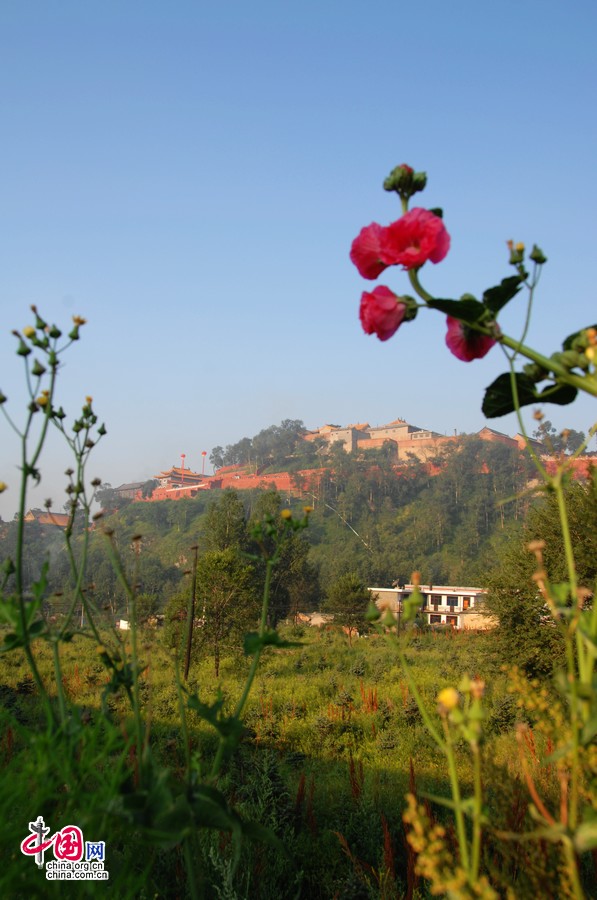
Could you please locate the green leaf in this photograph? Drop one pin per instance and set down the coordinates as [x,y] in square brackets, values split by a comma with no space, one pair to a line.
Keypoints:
[589,731]
[585,837]
[11,642]
[498,399]
[496,297]
[561,592]
[229,727]
[412,605]
[562,394]
[254,641]
[498,396]
[466,310]
[441,801]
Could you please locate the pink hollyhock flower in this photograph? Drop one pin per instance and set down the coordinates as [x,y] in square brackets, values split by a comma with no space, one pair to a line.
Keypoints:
[418,236]
[365,251]
[465,343]
[381,312]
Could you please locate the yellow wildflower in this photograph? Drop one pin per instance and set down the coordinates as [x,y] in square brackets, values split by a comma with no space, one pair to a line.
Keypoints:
[448,699]
[29,331]
[286,514]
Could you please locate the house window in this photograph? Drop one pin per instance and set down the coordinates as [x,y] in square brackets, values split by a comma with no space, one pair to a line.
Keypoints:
[452,602]
[436,601]
[466,602]
[435,620]
[452,620]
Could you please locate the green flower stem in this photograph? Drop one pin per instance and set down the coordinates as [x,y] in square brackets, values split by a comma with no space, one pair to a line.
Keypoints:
[59,685]
[458,813]
[412,685]
[413,276]
[530,450]
[131,595]
[588,384]
[572,866]
[580,382]
[477,811]
[190,867]
[183,723]
[269,566]
[26,468]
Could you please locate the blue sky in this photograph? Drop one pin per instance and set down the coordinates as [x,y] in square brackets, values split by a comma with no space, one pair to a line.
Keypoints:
[189,178]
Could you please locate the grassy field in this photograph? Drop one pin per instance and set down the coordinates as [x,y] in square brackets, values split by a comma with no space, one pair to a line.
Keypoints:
[333,741]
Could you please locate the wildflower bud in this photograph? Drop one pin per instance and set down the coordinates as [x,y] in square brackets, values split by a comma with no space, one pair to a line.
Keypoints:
[96,482]
[39,322]
[48,503]
[3,398]
[60,414]
[42,400]
[537,255]
[37,369]
[3,487]
[516,253]
[411,308]
[69,472]
[571,359]
[29,331]
[477,688]
[102,430]
[54,332]
[23,349]
[405,181]
[535,372]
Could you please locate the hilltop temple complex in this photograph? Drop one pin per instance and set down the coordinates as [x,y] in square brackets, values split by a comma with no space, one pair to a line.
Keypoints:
[403,440]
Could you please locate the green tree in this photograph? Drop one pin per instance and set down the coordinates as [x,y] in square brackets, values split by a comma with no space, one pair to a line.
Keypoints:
[224,525]
[227,606]
[347,600]
[294,580]
[526,634]
[566,441]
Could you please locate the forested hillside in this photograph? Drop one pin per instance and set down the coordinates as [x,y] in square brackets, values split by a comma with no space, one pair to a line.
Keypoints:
[447,519]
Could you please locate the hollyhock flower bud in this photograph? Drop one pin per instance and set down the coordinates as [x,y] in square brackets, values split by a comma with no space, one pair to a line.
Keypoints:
[365,251]
[465,343]
[415,238]
[381,312]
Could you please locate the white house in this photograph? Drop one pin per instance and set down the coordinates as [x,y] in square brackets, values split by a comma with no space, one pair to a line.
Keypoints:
[460,607]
